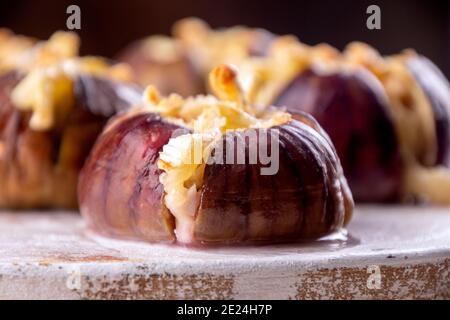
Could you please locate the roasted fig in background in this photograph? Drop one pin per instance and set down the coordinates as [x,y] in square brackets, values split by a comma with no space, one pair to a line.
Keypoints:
[164,63]
[437,89]
[50,116]
[353,109]
[418,99]
[186,171]
[181,64]
[387,116]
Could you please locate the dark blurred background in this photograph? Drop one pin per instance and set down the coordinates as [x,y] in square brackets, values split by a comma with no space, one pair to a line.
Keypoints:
[109,25]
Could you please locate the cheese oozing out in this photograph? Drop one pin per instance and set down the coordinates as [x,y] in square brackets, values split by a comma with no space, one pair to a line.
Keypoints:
[184,158]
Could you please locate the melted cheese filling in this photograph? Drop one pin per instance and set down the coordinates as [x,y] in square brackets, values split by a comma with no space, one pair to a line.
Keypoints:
[48,91]
[51,67]
[40,92]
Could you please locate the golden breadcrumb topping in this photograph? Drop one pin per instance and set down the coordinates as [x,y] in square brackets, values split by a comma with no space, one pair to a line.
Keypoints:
[228,110]
[24,54]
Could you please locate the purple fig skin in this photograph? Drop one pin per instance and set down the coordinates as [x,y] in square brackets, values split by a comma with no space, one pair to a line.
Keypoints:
[352,108]
[103,97]
[39,169]
[119,190]
[7,83]
[120,194]
[437,89]
[306,199]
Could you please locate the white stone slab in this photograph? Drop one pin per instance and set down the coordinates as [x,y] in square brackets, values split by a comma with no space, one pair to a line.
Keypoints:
[49,255]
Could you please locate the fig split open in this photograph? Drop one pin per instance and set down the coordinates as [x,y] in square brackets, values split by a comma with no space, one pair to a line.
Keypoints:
[136,184]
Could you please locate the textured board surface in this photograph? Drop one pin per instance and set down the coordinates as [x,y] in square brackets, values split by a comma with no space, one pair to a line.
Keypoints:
[393,252]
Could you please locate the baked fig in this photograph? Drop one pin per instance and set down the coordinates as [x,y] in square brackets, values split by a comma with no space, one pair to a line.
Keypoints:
[437,89]
[354,111]
[164,63]
[50,116]
[387,116]
[181,64]
[204,170]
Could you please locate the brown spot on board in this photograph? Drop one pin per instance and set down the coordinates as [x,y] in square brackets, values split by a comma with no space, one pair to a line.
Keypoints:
[157,286]
[416,281]
[72,258]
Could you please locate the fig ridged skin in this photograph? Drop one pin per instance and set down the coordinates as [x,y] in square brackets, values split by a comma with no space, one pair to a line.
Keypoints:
[353,110]
[437,89]
[307,198]
[39,169]
[119,190]
[105,98]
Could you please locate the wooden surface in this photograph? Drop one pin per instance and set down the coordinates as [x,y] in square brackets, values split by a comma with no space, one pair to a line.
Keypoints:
[392,252]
